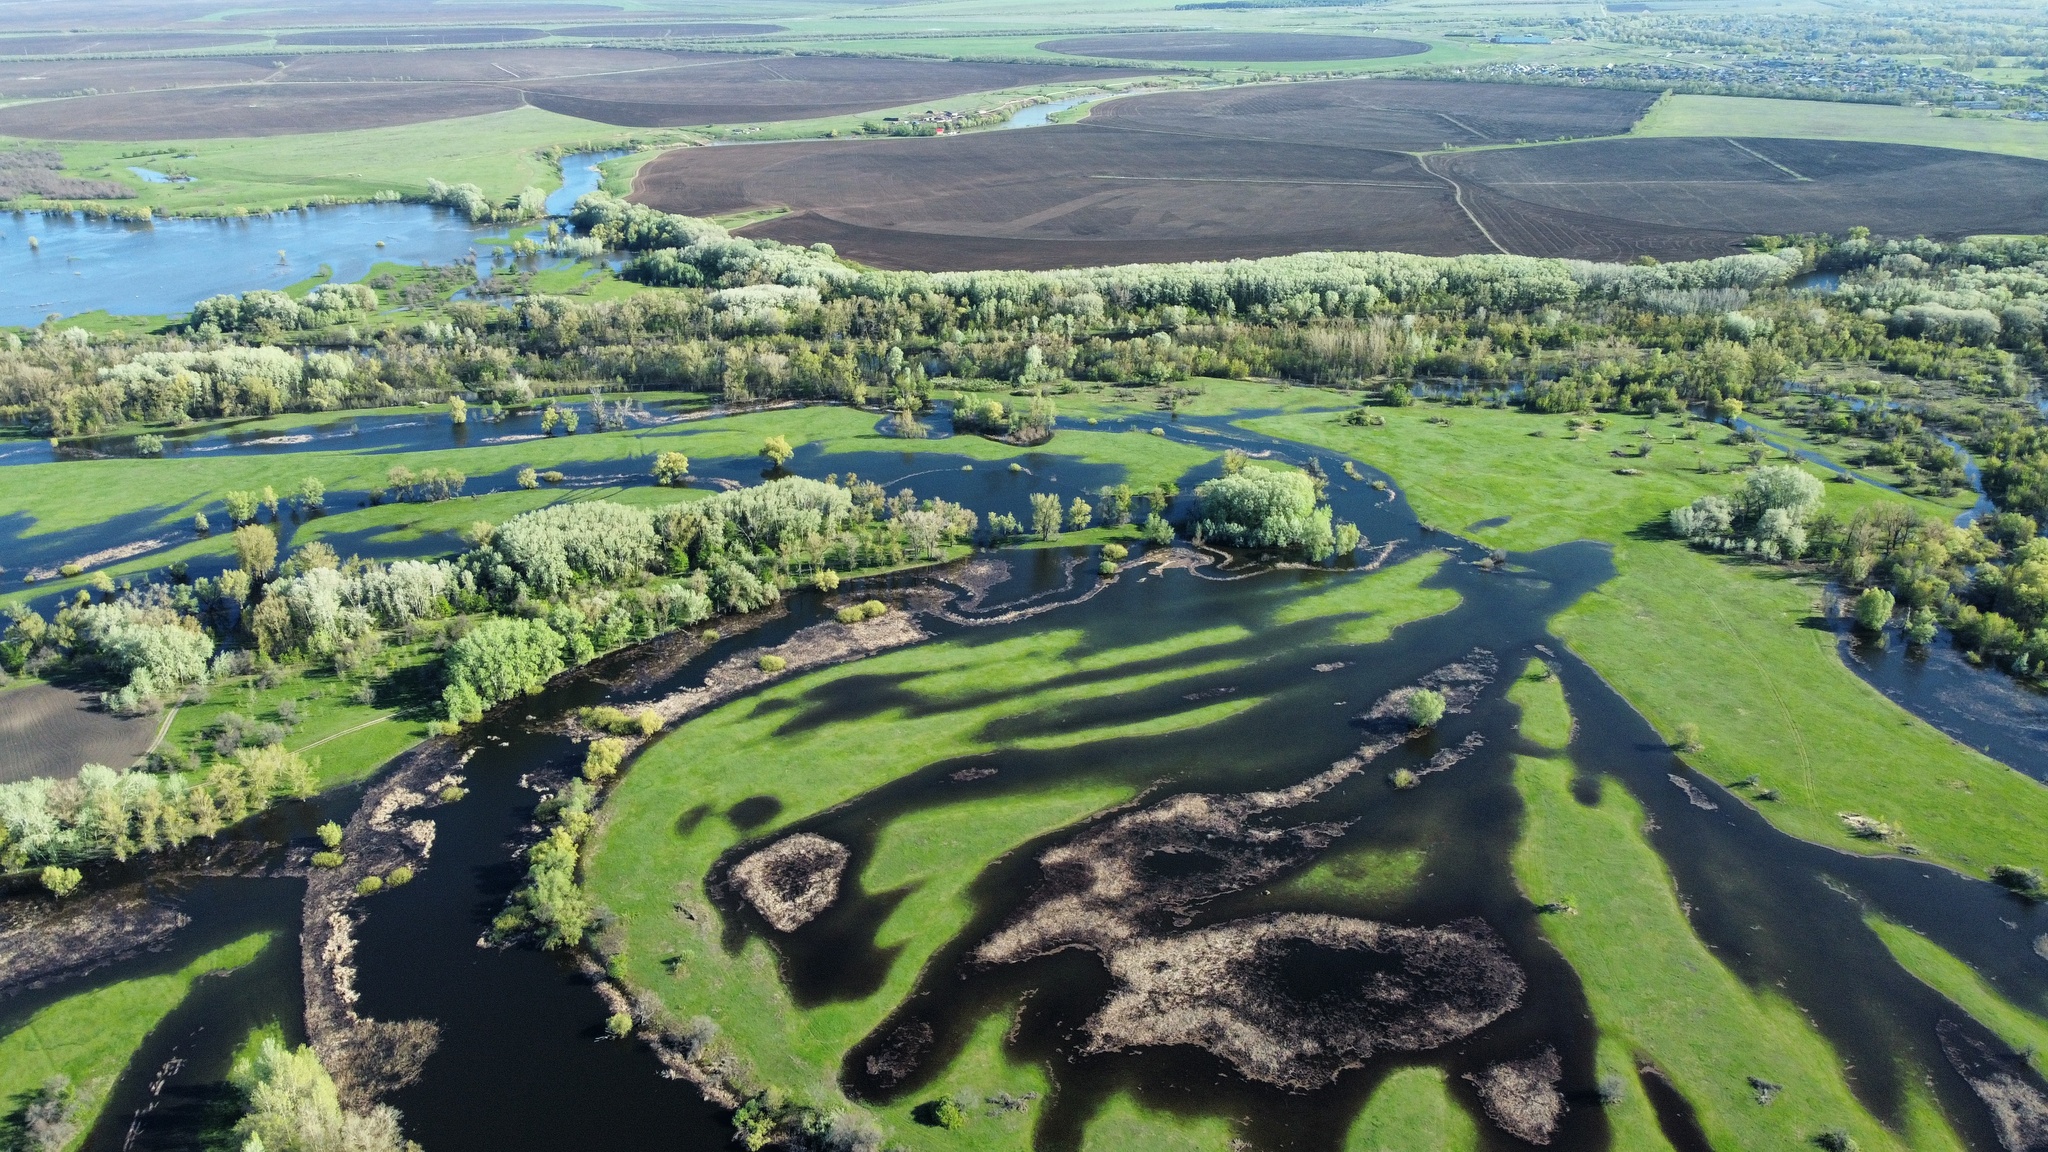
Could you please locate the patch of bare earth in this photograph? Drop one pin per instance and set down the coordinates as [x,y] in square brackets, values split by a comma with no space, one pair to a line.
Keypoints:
[792,880]
[1522,1096]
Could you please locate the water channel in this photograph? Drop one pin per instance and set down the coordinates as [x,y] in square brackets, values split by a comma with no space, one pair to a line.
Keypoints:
[522,1063]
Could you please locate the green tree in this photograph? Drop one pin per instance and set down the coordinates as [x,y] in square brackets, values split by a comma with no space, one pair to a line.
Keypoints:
[241,506]
[776,450]
[1045,515]
[61,882]
[1425,707]
[1874,609]
[671,469]
[497,660]
[311,495]
[1079,513]
[528,478]
[1264,508]
[256,550]
[458,410]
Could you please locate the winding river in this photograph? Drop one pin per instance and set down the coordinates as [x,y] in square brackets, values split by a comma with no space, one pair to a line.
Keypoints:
[522,1062]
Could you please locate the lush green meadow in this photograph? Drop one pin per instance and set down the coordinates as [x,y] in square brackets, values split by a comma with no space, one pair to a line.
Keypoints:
[1657,992]
[959,697]
[1763,680]
[1688,115]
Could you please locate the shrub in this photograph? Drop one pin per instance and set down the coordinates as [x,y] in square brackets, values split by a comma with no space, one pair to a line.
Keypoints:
[1115,552]
[603,758]
[1106,568]
[497,660]
[1404,779]
[327,859]
[1425,707]
[1689,737]
[330,834]
[2024,881]
[1837,1140]
[873,609]
[399,875]
[827,580]
[70,569]
[527,478]
[452,793]
[369,885]
[648,722]
[619,1025]
[850,615]
[947,1113]
[770,662]
[671,469]
[61,882]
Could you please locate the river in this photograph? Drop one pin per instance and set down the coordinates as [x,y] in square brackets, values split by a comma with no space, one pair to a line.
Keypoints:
[522,1063]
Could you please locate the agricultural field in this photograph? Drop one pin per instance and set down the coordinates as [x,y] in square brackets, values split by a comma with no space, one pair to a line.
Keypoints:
[1336,166]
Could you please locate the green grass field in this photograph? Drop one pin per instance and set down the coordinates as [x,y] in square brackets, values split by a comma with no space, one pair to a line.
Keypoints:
[1656,991]
[499,152]
[1683,115]
[960,697]
[1762,679]
[90,1037]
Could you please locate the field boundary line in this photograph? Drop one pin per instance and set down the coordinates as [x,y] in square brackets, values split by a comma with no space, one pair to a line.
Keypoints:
[1768,160]
[1261,180]
[1458,195]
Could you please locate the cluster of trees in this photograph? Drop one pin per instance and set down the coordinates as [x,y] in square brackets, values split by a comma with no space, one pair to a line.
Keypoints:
[292,1105]
[468,199]
[1766,516]
[1279,509]
[1029,423]
[1987,583]
[102,813]
[148,645]
[266,312]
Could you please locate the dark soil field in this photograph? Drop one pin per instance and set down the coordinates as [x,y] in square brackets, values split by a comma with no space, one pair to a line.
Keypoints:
[770,88]
[483,65]
[251,110]
[104,42]
[1249,46]
[373,37]
[1268,171]
[1736,188]
[1407,115]
[65,77]
[50,731]
[340,91]
[665,31]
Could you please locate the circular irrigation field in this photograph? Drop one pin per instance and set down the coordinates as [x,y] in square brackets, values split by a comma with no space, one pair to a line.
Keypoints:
[1254,47]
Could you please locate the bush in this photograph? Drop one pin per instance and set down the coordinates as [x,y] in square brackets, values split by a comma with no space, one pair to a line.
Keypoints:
[452,793]
[946,1113]
[497,660]
[399,875]
[1689,737]
[671,469]
[2024,881]
[603,758]
[61,882]
[1106,568]
[770,662]
[369,885]
[873,609]
[1425,707]
[850,615]
[327,859]
[1115,552]
[1403,779]
[330,834]
[619,1025]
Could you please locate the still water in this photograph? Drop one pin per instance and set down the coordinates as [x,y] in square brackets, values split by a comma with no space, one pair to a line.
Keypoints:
[67,263]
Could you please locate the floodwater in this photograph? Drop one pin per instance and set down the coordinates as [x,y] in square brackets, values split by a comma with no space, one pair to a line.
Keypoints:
[522,1063]
[67,263]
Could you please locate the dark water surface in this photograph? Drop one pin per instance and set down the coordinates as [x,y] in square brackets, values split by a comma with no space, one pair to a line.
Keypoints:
[522,1062]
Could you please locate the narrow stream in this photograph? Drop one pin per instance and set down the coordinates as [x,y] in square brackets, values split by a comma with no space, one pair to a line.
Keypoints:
[522,1063]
